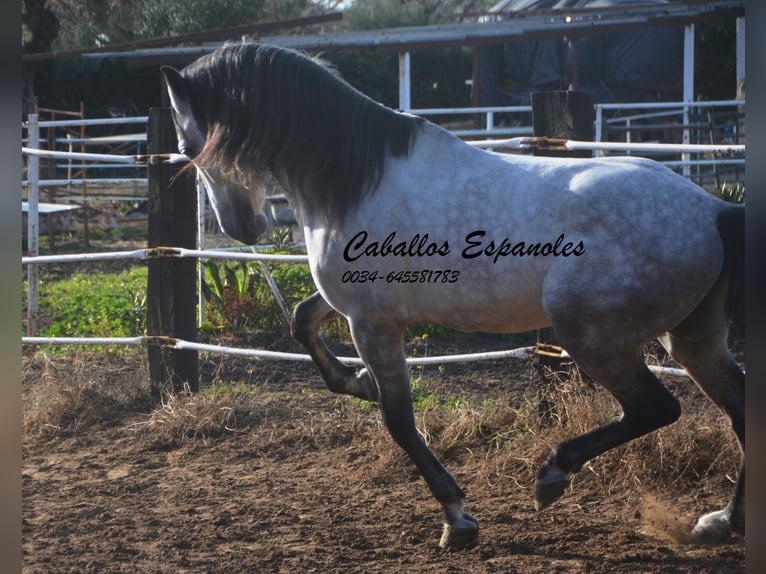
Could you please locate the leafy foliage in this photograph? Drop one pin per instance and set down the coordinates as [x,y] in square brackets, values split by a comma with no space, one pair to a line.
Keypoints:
[733,193]
[239,297]
[373,14]
[96,305]
[85,23]
[172,17]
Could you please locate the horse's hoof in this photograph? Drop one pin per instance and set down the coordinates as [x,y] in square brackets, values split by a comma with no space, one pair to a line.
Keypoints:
[458,536]
[550,484]
[712,528]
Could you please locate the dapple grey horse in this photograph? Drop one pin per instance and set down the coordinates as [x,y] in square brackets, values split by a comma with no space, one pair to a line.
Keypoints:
[406,223]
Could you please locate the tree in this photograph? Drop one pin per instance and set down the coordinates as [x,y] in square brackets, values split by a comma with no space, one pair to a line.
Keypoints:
[438,76]
[374,14]
[71,24]
[39,28]
[152,18]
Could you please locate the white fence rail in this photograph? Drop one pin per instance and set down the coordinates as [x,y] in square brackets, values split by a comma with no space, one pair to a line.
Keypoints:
[535,142]
[630,121]
[122,178]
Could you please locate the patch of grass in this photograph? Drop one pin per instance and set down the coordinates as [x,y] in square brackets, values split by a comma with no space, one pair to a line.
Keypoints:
[424,399]
[95,305]
[236,390]
[238,296]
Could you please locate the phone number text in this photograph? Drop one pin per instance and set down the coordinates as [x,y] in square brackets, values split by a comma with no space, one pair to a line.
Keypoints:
[418,276]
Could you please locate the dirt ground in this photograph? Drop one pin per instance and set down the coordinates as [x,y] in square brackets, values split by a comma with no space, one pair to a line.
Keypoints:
[304,481]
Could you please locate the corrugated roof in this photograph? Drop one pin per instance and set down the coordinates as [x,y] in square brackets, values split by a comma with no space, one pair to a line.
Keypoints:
[573,23]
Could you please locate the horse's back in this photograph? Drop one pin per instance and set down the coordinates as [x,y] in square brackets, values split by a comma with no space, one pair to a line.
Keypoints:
[527,235]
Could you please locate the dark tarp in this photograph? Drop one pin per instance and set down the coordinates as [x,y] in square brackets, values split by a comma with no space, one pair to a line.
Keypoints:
[641,65]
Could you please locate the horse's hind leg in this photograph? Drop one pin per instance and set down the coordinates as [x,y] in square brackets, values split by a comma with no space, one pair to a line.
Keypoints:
[646,406]
[308,317]
[711,366]
[380,346]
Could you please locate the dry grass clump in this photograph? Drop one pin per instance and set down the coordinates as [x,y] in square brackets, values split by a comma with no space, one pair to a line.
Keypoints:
[186,416]
[66,394]
[510,442]
[498,441]
[274,422]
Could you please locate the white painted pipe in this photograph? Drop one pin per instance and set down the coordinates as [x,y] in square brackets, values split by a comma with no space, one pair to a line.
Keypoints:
[654,147]
[165,252]
[264,354]
[95,122]
[91,180]
[122,159]
[33,225]
[79,155]
[525,143]
[72,257]
[180,344]
[215,254]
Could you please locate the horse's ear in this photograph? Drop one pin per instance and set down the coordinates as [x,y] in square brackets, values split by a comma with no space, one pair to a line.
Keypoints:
[190,137]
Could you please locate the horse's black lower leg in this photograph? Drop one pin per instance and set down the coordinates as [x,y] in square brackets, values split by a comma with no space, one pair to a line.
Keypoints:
[381,349]
[308,317]
[711,366]
[646,405]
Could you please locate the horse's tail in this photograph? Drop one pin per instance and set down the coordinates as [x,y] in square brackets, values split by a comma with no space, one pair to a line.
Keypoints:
[731,227]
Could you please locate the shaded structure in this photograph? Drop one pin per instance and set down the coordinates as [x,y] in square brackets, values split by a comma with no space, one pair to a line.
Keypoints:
[636,65]
[523,45]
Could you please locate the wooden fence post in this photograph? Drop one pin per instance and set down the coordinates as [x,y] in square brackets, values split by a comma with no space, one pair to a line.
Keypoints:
[568,115]
[171,294]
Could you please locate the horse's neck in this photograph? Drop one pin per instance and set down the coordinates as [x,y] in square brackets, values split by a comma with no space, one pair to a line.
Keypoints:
[433,146]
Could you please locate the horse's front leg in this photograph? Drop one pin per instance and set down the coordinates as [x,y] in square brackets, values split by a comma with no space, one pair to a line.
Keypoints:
[339,378]
[380,346]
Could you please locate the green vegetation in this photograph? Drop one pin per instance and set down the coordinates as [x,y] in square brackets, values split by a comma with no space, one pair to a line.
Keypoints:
[731,192]
[234,389]
[95,305]
[237,294]
[239,299]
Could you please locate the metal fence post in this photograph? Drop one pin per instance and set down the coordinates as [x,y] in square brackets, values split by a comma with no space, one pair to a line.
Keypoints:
[33,225]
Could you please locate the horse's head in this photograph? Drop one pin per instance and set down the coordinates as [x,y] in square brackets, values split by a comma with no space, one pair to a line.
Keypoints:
[238,206]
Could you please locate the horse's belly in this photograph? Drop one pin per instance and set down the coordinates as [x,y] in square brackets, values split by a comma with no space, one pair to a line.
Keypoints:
[474,308]
[451,296]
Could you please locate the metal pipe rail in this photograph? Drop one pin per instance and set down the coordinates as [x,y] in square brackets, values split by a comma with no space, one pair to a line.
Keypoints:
[668,105]
[557,144]
[90,180]
[159,252]
[180,344]
[141,159]
[91,122]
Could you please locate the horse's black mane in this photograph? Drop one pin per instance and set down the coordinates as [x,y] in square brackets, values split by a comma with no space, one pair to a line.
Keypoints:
[265,108]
